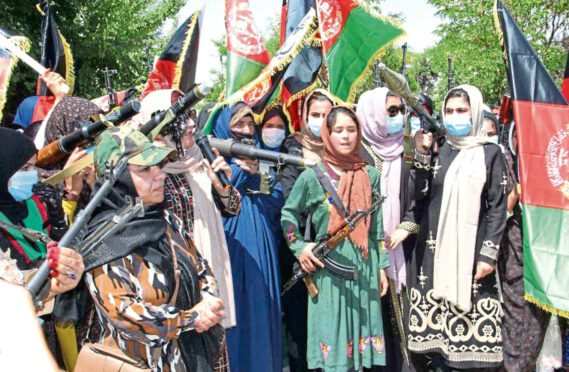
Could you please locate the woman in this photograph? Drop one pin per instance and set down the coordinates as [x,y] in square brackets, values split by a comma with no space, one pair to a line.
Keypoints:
[255,344]
[273,128]
[342,333]
[190,196]
[25,202]
[154,294]
[455,314]
[382,115]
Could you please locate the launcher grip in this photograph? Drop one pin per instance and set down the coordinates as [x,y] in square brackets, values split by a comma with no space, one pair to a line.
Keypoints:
[49,154]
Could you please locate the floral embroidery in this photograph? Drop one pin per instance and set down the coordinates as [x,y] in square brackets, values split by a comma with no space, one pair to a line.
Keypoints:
[382,246]
[328,201]
[364,343]
[378,344]
[325,350]
[290,235]
[350,348]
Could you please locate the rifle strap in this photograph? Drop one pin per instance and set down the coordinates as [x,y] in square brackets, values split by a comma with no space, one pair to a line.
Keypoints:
[331,190]
[76,167]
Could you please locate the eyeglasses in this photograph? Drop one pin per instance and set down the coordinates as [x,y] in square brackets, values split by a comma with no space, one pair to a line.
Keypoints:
[393,110]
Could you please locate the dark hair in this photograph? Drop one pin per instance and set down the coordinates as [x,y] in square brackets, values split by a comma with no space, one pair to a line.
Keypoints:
[332,116]
[457,93]
[317,96]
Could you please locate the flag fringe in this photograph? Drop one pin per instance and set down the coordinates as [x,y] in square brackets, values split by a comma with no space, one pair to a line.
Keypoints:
[185,46]
[374,13]
[69,67]
[545,307]
[24,44]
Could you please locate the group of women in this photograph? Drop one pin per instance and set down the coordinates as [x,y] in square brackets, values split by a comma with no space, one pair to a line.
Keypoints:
[194,283]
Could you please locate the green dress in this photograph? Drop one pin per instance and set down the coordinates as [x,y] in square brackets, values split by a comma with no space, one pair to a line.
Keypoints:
[345,328]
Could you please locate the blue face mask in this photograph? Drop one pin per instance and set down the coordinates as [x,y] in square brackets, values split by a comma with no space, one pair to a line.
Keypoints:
[315,125]
[395,124]
[458,124]
[415,124]
[21,184]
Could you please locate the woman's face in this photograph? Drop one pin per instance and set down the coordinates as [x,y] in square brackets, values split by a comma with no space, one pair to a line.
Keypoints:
[245,126]
[457,105]
[29,166]
[319,109]
[394,106]
[188,136]
[344,134]
[148,182]
[275,122]
[490,128]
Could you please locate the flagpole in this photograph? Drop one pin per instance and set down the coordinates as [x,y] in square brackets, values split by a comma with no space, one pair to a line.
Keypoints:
[25,57]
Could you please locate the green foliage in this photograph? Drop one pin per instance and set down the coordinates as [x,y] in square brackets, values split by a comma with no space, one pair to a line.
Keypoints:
[102,33]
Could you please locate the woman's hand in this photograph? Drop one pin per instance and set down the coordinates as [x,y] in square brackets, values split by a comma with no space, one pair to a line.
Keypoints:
[211,312]
[54,82]
[66,268]
[482,270]
[75,182]
[307,259]
[396,238]
[423,141]
[219,164]
[248,165]
[512,200]
[383,283]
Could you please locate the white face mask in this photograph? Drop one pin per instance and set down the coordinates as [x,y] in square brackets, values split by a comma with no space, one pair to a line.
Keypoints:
[273,137]
[494,139]
[315,125]
[415,124]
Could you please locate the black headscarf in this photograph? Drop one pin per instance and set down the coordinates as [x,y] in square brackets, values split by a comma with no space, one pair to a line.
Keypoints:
[15,150]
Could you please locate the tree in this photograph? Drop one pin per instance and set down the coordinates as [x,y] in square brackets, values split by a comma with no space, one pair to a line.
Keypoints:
[103,33]
[468,33]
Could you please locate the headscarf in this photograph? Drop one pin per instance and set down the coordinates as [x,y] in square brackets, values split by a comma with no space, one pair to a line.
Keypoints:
[208,233]
[238,112]
[15,150]
[312,146]
[271,113]
[67,116]
[354,188]
[372,114]
[460,210]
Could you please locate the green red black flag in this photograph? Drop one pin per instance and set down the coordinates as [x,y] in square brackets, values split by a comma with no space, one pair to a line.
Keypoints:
[542,123]
[8,62]
[176,66]
[565,86]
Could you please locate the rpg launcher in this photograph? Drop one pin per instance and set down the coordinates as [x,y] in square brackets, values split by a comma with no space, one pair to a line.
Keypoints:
[61,148]
[398,85]
[267,159]
[327,243]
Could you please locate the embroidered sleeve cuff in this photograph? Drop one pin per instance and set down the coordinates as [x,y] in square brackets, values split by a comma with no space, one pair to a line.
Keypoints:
[411,227]
[489,252]
[422,161]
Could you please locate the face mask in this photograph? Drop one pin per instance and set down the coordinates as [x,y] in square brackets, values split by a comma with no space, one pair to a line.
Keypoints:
[240,137]
[458,124]
[21,184]
[415,123]
[395,124]
[273,137]
[494,139]
[315,125]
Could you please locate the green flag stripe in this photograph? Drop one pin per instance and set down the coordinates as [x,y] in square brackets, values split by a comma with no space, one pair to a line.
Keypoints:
[546,257]
[240,71]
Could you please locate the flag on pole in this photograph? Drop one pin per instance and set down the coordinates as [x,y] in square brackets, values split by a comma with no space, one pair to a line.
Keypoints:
[565,86]
[246,52]
[541,115]
[176,66]
[7,63]
[353,37]
[301,75]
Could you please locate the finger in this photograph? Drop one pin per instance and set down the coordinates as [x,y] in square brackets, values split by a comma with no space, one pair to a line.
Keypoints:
[215,152]
[478,275]
[316,260]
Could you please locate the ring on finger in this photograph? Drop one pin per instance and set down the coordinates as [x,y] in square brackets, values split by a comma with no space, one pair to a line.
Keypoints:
[71,274]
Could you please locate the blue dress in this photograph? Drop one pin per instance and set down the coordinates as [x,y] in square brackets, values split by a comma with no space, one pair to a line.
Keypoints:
[253,238]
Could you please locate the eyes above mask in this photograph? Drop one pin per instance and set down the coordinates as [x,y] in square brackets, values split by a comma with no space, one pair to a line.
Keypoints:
[315,125]
[21,184]
[273,137]
[395,124]
[458,124]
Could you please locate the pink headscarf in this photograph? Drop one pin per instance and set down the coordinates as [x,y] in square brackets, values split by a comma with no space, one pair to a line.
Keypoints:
[388,147]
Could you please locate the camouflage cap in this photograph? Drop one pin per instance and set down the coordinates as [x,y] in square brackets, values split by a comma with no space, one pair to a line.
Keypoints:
[117,142]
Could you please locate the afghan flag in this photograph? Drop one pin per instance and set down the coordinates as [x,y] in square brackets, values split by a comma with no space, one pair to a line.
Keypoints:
[176,66]
[301,75]
[246,52]
[55,51]
[542,122]
[353,37]
[8,62]
[565,86]
[260,92]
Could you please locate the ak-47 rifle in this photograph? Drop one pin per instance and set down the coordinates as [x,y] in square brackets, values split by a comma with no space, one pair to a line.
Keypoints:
[327,243]
[61,148]
[113,101]
[451,80]
[404,64]
[398,84]
[267,159]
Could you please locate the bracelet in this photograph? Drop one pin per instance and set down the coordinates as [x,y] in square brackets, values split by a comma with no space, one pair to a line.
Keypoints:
[228,194]
[70,195]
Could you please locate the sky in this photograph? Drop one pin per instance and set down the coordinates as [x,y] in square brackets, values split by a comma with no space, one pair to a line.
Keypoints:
[420,22]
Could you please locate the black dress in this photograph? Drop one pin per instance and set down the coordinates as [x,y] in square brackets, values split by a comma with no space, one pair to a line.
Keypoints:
[464,339]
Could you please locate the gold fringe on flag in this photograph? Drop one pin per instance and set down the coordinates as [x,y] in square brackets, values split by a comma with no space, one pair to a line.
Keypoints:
[185,46]
[545,307]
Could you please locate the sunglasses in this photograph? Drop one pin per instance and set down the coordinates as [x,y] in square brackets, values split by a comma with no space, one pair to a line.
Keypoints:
[393,110]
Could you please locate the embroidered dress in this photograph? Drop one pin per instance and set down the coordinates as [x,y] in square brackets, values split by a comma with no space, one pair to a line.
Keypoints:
[465,339]
[345,329]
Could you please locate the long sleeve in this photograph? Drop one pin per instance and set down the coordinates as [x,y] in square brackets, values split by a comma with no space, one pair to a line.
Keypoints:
[138,308]
[497,196]
[291,215]
[49,196]
[379,232]
[233,206]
